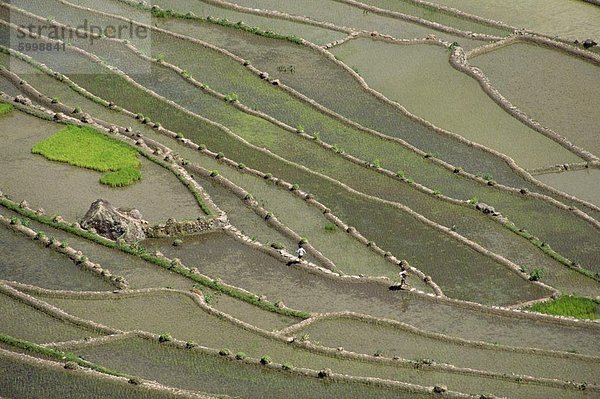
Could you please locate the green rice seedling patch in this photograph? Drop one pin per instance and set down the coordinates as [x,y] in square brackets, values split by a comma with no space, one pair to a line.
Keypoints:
[28,262]
[257,272]
[218,375]
[396,341]
[581,308]
[22,321]
[87,148]
[434,14]
[553,17]
[51,184]
[33,380]
[550,86]
[5,108]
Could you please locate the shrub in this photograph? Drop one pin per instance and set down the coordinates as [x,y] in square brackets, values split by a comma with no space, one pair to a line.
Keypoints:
[26,222]
[316,136]
[54,100]
[165,337]
[287,366]
[241,166]
[295,187]
[214,173]
[160,58]
[437,192]
[473,200]
[231,98]
[268,216]
[401,174]
[220,155]
[179,136]
[266,359]
[14,220]
[536,274]
[77,110]
[39,235]
[300,129]
[190,345]
[240,356]
[268,175]
[277,245]
[377,163]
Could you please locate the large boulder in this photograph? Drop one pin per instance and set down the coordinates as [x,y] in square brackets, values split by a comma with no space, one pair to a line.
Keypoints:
[114,223]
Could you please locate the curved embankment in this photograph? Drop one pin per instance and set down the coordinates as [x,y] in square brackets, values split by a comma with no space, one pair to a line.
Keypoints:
[521,172]
[304,345]
[162,150]
[63,248]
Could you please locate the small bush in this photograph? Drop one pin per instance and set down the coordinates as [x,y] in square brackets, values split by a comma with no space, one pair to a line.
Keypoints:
[214,173]
[536,274]
[179,136]
[266,359]
[14,220]
[277,245]
[190,345]
[287,366]
[241,166]
[300,129]
[39,235]
[166,337]
[295,187]
[401,174]
[220,155]
[268,175]
[473,201]
[240,356]
[54,100]
[377,163]
[232,98]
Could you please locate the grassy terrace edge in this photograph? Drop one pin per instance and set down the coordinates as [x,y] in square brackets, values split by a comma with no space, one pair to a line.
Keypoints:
[158,261]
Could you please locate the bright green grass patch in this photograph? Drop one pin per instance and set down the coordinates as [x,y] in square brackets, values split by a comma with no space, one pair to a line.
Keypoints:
[581,308]
[5,108]
[87,148]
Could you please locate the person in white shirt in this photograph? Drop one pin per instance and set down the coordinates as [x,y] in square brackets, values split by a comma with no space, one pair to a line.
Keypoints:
[300,252]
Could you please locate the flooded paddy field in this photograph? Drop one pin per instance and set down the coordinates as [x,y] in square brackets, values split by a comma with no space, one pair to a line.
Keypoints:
[24,322]
[395,341]
[277,140]
[572,20]
[555,90]
[50,184]
[27,261]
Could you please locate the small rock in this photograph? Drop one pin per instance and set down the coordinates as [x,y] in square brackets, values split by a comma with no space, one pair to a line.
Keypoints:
[275,82]
[589,43]
[86,118]
[59,116]
[23,100]
[24,204]
[41,211]
[264,75]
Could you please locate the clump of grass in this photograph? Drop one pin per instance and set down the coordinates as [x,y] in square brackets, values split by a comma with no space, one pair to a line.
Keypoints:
[579,307]
[331,227]
[87,148]
[377,163]
[232,98]
[5,108]
[300,128]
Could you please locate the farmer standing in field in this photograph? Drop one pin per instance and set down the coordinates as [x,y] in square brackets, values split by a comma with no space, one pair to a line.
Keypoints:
[300,252]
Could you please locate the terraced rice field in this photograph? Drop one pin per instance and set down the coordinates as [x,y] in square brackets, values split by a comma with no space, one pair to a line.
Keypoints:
[376,135]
